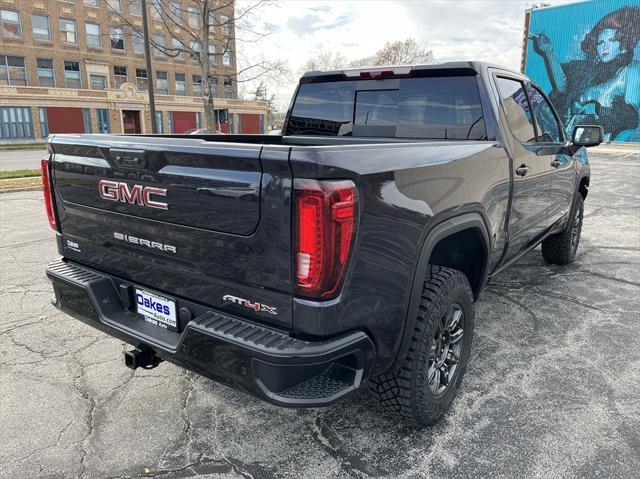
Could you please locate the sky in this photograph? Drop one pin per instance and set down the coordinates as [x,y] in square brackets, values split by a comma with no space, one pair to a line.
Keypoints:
[453,30]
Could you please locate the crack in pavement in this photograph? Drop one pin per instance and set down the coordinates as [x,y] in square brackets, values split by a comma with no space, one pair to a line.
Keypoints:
[571,381]
[331,444]
[40,449]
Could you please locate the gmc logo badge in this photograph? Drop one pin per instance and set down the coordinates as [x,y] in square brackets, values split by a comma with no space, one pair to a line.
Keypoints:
[132,194]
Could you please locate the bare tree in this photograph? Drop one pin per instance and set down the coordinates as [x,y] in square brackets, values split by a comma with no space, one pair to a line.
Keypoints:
[325,61]
[204,32]
[406,52]
[260,93]
[392,53]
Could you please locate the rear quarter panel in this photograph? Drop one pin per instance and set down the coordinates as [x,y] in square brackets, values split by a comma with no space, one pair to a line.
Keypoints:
[405,190]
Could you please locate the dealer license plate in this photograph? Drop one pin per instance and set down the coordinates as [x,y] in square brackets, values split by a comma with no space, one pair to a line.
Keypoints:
[156,309]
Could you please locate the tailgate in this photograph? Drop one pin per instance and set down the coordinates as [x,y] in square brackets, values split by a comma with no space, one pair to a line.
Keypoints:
[187,217]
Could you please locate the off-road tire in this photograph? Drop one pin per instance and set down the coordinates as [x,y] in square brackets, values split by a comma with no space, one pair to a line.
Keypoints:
[407,393]
[561,248]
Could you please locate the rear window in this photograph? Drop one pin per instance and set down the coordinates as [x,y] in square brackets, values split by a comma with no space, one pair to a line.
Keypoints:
[442,108]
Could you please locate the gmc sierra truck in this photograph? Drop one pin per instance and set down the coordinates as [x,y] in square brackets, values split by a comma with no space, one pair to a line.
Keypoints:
[345,254]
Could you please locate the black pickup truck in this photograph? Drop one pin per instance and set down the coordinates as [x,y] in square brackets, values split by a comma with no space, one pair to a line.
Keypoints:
[345,254]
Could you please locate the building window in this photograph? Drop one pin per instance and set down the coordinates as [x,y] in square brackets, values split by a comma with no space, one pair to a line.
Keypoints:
[226,58]
[198,119]
[40,27]
[195,51]
[193,18]
[98,82]
[228,88]
[68,31]
[226,24]
[141,79]
[117,38]
[213,83]
[221,116]
[197,85]
[158,46]
[138,43]
[159,122]
[12,71]
[212,22]
[162,83]
[156,9]
[72,76]
[86,120]
[178,48]
[170,121]
[115,5]
[15,123]
[44,124]
[92,3]
[212,54]
[10,23]
[46,73]
[135,7]
[94,38]
[175,12]
[120,75]
[181,84]
[262,124]
[102,115]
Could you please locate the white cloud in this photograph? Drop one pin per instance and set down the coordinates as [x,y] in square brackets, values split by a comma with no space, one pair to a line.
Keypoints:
[454,30]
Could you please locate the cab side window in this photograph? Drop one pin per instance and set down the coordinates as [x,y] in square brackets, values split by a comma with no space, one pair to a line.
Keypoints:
[549,130]
[517,109]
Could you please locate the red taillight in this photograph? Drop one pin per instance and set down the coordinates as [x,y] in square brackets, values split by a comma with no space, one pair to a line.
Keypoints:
[325,226]
[48,200]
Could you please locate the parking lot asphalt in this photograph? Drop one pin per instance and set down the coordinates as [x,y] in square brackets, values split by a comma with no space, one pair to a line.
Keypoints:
[552,389]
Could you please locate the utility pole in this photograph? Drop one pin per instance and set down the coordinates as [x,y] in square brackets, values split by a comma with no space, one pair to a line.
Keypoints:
[147,56]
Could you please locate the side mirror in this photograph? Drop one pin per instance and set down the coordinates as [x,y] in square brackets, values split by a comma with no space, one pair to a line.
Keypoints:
[587,135]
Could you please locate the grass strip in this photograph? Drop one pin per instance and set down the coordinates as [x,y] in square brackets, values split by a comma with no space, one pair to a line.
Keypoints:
[23,146]
[4,175]
[20,184]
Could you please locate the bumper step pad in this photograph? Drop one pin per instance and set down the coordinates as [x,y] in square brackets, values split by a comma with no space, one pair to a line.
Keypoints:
[268,363]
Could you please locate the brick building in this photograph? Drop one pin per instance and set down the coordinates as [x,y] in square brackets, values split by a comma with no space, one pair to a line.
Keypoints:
[78,66]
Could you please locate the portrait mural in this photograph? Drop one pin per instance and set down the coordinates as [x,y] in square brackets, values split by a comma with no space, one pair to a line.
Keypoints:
[586,57]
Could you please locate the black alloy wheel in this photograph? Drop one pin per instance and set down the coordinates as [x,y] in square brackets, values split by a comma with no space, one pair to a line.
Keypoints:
[445,350]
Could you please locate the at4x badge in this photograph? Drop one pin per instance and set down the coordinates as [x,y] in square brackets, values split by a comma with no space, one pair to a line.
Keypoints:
[257,307]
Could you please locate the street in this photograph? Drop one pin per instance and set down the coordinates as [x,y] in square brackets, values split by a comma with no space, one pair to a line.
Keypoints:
[20,159]
[552,389]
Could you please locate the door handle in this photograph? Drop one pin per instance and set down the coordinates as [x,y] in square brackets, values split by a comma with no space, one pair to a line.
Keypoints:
[522,170]
[556,163]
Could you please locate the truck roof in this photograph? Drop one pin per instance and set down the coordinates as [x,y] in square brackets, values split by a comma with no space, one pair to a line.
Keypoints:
[476,66]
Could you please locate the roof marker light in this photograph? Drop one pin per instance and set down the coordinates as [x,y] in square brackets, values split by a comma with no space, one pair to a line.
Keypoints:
[378,72]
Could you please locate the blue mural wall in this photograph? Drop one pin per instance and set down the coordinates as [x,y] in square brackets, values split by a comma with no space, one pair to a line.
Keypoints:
[586,57]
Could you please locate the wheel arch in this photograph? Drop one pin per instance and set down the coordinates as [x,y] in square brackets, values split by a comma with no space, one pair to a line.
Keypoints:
[469,227]
[583,186]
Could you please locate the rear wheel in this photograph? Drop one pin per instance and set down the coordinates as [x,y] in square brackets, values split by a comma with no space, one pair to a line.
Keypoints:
[428,379]
[561,248]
